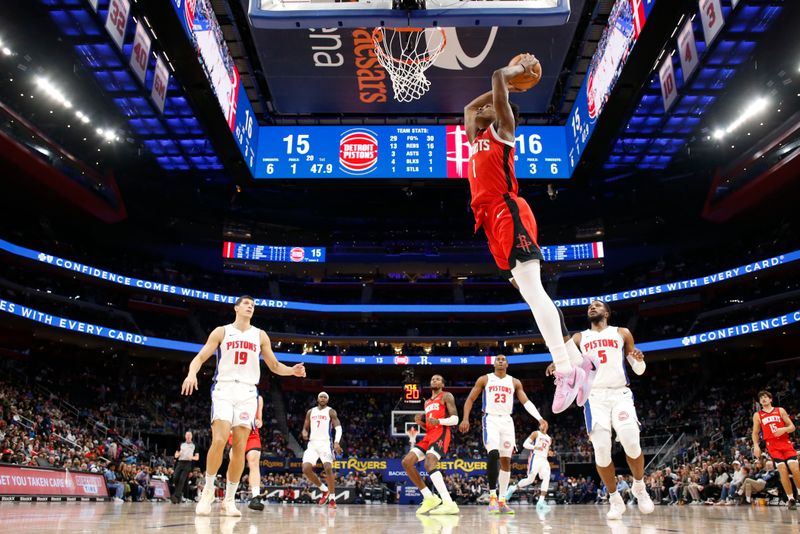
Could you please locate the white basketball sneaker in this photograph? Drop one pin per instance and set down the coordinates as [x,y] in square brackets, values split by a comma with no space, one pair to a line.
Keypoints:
[229,508]
[206,500]
[617,507]
[643,499]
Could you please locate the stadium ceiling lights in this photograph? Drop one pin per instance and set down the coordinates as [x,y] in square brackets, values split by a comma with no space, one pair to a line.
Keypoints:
[753,109]
[47,87]
[6,50]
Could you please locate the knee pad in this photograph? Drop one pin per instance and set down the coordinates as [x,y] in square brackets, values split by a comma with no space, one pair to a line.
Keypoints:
[601,442]
[629,438]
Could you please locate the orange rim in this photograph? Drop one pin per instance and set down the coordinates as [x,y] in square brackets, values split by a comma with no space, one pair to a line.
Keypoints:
[377,37]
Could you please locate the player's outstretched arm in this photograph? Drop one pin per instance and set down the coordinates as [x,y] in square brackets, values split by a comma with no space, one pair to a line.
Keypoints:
[634,356]
[756,430]
[528,444]
[471,398]
[471,111]
[274,365]
[528,405]
[189,385]
[500,78]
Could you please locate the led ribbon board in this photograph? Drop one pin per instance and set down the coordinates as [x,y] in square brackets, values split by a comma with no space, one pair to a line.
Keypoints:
[12,308]
[159,287]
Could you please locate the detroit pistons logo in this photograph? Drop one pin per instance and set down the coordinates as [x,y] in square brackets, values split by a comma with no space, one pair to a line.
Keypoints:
[401,360]
[506,444]
[623,416]
[188,10]
[358,151]
[244,416]
[297,254]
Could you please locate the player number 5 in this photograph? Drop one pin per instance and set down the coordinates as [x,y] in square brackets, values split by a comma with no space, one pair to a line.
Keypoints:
[602,355]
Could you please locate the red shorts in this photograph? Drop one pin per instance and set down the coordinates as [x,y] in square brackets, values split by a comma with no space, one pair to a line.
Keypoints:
[436,441]
[781,451]
[512,233]
[253,441]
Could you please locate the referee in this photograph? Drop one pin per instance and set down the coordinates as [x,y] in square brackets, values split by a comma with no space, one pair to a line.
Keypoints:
[183,467]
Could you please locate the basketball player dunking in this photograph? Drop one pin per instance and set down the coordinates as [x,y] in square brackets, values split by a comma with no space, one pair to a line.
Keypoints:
[539,444]
[490,121]
[317,430]
[776,425]
[498,427]
[440,415]
[610,404]
[233,396]
[252,455]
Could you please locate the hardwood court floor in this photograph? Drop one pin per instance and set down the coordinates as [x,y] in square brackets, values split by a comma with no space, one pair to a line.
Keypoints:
[19,518]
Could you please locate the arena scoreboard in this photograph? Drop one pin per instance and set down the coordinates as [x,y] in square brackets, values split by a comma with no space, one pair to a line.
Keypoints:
[397,152]
[272,253]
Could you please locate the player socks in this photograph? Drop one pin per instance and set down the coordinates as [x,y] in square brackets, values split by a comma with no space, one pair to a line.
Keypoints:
[504,477]
[210,480]
[438,482]
[256,491]
[492,468]
[574,353]
[323,488]
[230,490]
[426,492]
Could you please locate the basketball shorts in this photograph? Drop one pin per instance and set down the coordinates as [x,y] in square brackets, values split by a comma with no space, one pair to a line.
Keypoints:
[781,451]
[512,233]
[318,450]
[498,434]
[234,402]
[253,441]
[610,408]
[436,442]
[538,466]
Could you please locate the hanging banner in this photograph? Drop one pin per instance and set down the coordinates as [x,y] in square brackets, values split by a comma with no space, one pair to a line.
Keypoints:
[711,14]
[94,3]
[160,84]
[140,55]
[669,89]
[117,20]
[687,48]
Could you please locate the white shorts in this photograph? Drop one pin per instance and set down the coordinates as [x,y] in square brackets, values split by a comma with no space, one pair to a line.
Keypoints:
[610,409]
[234,402]
[538,466]
[498,434]
[318,450]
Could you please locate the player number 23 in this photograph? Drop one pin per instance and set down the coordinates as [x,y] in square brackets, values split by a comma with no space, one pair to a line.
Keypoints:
[499,398]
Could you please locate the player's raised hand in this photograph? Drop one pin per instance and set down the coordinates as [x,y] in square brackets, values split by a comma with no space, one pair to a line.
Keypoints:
[299,370]
[543,426]
[528,62]
[189,385]
[464,426]
[550,369]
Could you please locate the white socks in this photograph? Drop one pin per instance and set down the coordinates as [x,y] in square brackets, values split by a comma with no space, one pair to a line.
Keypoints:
[438,482]
[503,479]
[574,352]
[529,281]
[230,490]
[426,492]
[256,491]
[323,488]
[210,480]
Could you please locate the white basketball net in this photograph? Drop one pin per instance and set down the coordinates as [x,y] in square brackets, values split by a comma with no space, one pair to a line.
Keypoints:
[406,53]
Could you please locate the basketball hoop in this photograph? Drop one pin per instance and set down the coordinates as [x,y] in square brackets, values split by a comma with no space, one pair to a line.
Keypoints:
[412,434]
[406,53]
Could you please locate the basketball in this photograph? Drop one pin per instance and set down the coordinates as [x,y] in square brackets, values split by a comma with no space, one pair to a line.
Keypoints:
[525,81]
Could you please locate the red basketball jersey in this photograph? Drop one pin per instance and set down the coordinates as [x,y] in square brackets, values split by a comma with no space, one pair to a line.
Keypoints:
[770,422]
[435,407]
[491,171]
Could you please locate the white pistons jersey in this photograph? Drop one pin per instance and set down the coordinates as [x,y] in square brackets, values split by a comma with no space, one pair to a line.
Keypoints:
[320,424]
[608,346]
[542,445]
[498,395]
[238,356]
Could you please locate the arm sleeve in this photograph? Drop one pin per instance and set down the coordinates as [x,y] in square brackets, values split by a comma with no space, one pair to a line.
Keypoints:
[637,366]
[528,443]
[337,435]
[531,409]
[449,421]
